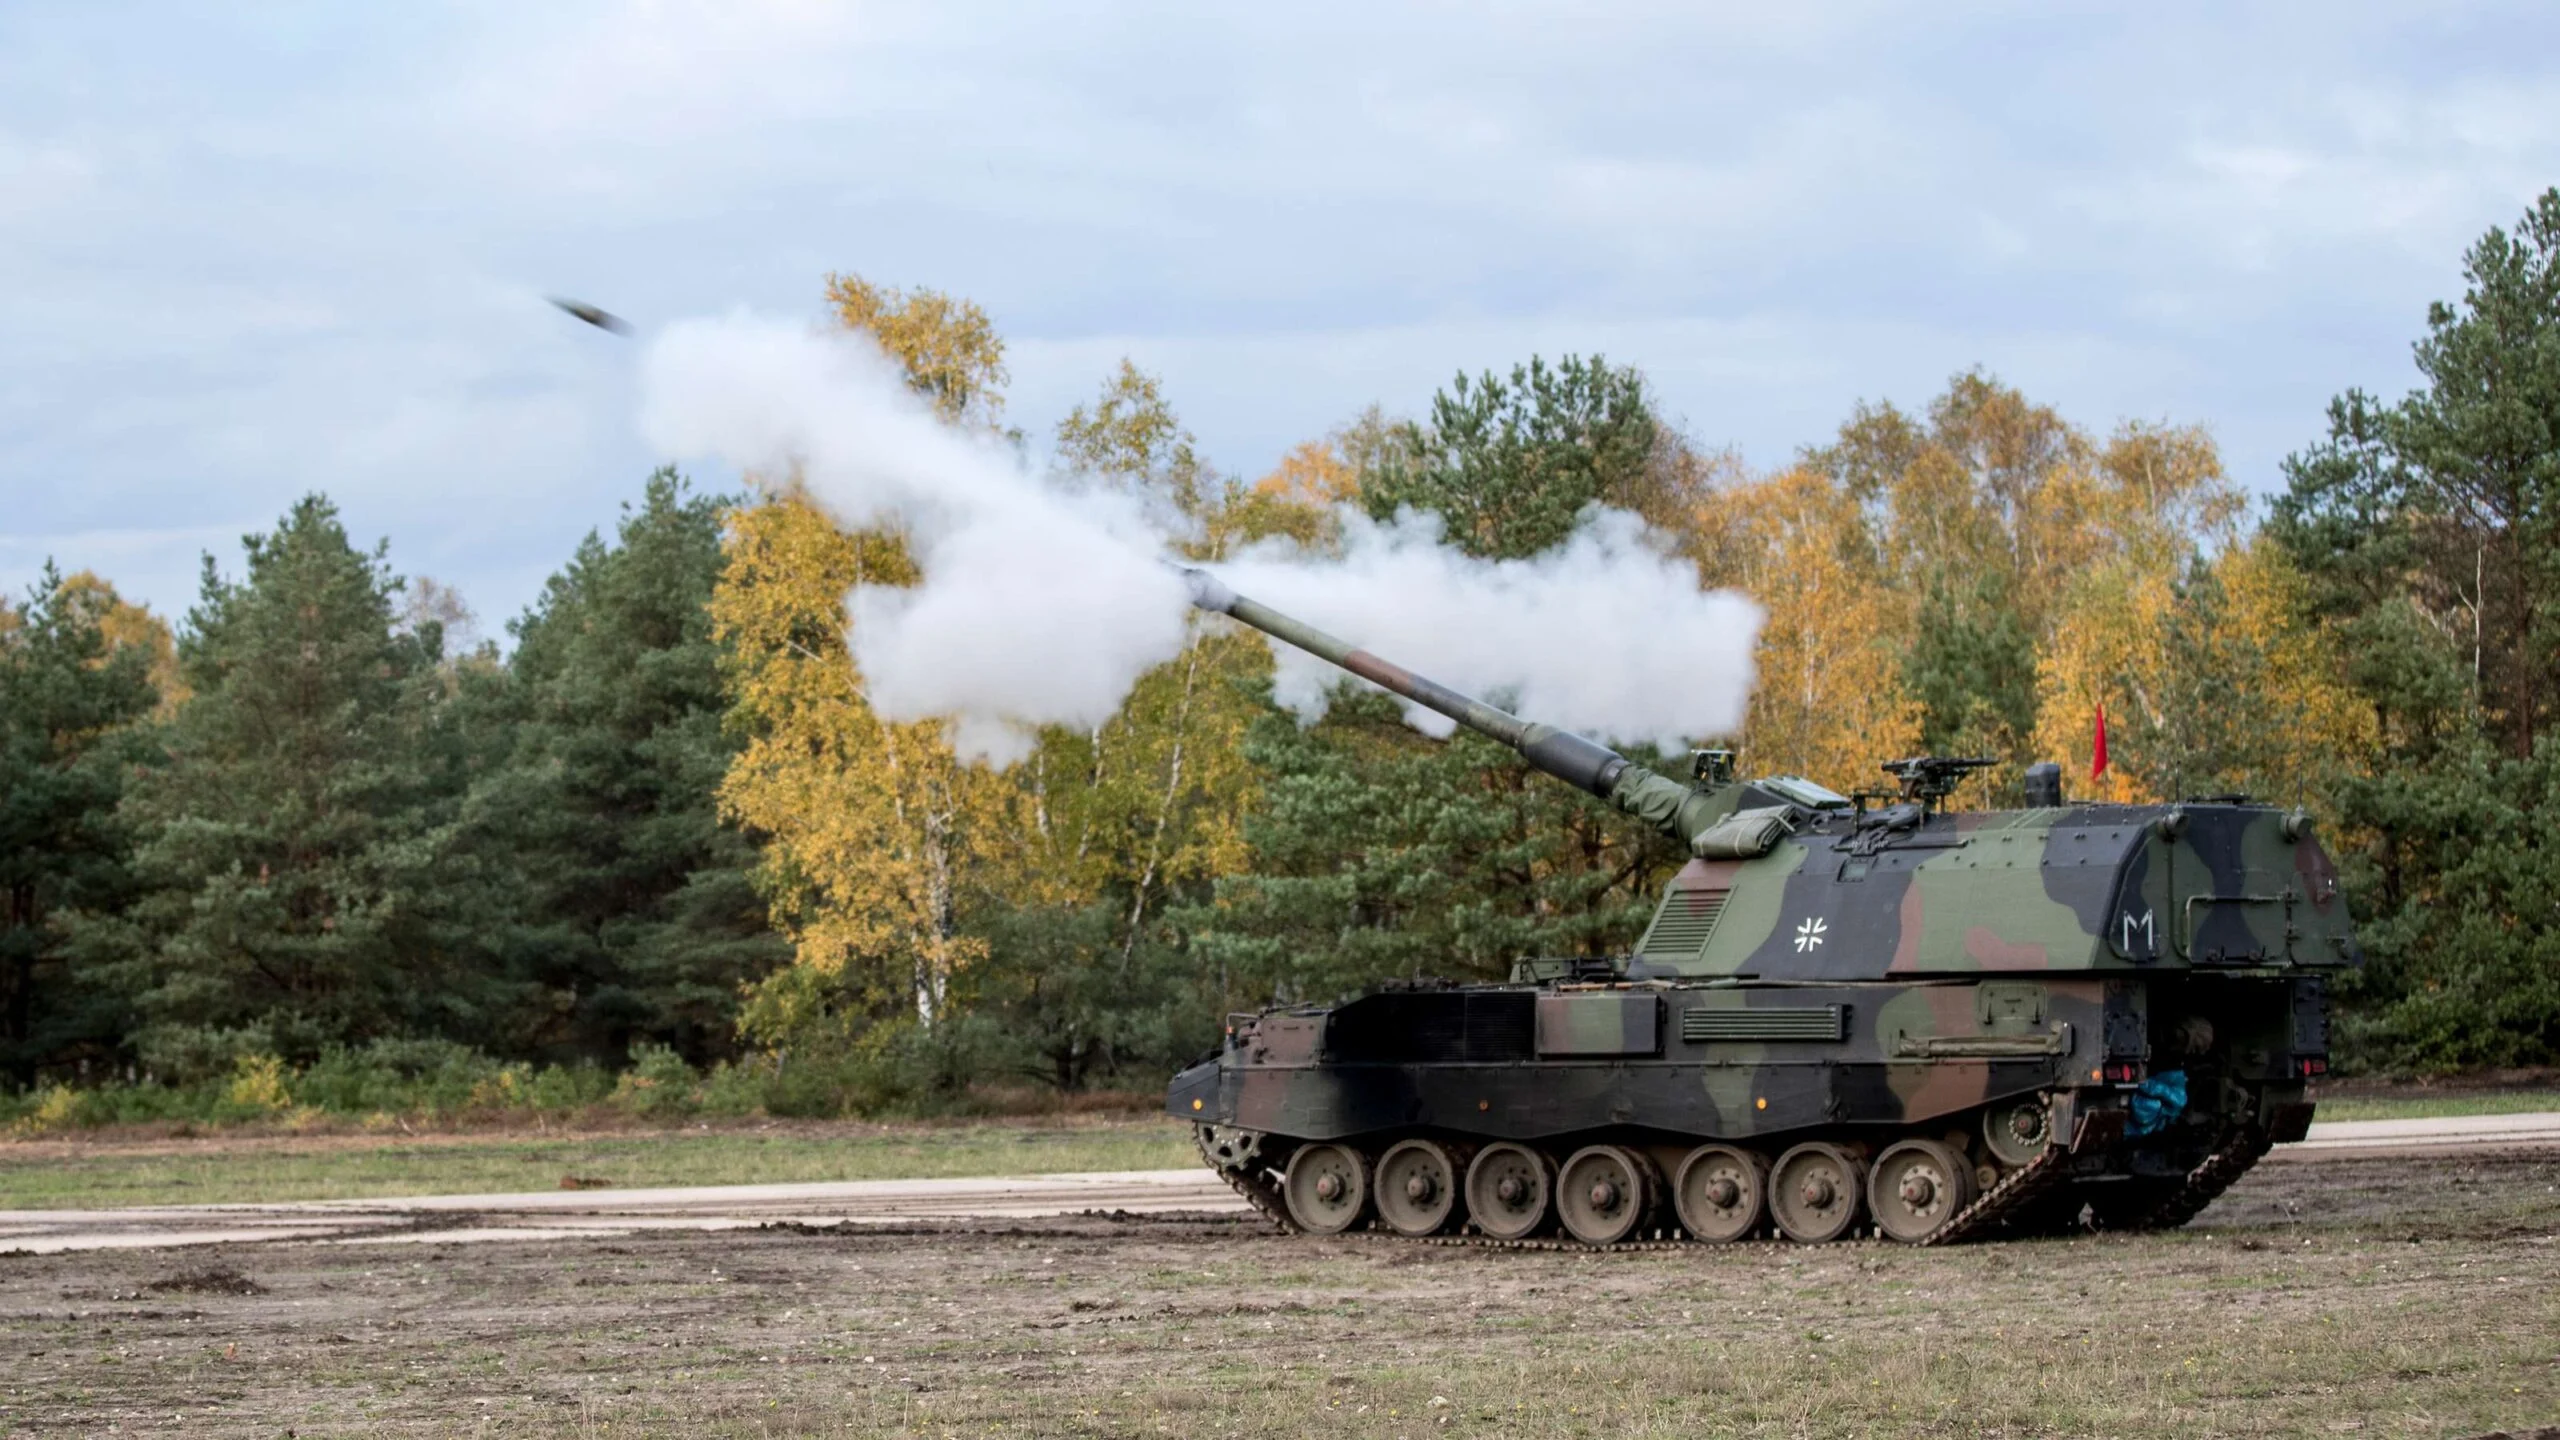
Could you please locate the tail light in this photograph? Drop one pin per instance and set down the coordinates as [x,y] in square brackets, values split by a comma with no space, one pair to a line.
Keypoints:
[2121,1072]
[2310,1065]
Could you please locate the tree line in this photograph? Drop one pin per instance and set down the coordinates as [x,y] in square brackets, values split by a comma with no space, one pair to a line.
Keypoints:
[663,827]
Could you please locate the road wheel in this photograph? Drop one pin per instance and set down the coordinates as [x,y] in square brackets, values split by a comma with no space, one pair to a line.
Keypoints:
[1509,1190]
[1417,1187]
[1916,1188]
[1605,1194]
[1814,1193]
[1721,1192]
[1327,1188]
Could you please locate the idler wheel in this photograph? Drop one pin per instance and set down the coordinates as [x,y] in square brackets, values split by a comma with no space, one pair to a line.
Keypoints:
[1722,1193]
[1605,1194]
[1916,1188]
[2017,1131]
[1327,1188]
[1417,1187]
[1814,1193]
[1510,1189]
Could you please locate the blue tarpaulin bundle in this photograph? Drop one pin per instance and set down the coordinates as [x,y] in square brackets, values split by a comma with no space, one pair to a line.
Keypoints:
[2158,1100]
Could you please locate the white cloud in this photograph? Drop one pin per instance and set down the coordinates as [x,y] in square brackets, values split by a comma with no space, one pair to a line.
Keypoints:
[255,253]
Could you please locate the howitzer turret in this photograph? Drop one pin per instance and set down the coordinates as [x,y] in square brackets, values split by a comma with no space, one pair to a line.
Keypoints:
[1948,1023]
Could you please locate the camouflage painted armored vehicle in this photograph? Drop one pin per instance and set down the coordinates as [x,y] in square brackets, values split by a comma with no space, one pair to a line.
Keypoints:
[1943,1024]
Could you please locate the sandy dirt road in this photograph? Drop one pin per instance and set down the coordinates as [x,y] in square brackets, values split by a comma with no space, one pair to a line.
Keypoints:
[591,1214]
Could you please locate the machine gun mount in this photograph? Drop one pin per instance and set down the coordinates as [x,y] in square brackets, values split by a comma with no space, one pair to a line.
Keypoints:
[1930,779]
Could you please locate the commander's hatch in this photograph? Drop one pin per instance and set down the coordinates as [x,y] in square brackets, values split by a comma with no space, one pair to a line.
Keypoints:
[1795,790]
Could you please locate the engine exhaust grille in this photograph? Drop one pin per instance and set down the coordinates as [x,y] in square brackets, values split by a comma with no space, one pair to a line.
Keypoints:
[1792,1022]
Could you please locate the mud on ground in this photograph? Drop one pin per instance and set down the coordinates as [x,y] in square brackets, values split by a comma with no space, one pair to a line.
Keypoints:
[2374,1296]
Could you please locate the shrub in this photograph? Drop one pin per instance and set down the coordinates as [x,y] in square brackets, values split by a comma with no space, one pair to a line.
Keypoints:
[658,1085]
[258,1085]
[55,1108]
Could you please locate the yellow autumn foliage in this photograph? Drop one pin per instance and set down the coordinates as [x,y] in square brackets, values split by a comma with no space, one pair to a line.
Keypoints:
[2212,679]
[2105,651]
[1155,797]
[947,346]
[127,625]
[1829,701]
[1312,473]
[2317,728]
[869,828]
[877,839]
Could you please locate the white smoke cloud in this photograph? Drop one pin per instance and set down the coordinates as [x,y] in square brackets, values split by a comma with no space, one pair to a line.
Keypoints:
[1038,606]
[1605,634]
[1042,604]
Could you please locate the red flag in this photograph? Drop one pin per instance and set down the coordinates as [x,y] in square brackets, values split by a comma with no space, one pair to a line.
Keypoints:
[2098,758]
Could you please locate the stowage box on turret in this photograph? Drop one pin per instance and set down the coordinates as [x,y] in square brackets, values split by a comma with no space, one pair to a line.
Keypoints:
[1942,1024]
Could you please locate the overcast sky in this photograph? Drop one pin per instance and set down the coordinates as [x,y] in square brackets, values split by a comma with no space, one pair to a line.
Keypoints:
[250,251]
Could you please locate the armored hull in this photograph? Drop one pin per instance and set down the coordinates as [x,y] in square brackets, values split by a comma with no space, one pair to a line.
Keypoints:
[1939,1024]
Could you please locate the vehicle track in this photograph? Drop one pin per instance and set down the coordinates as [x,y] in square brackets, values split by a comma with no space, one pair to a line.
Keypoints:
[2013,1199]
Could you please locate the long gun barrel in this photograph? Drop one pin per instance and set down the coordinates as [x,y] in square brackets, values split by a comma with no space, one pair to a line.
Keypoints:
[1681,811]
[1585,764]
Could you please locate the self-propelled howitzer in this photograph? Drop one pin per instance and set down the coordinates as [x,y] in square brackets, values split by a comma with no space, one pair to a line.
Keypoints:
[1943,1023]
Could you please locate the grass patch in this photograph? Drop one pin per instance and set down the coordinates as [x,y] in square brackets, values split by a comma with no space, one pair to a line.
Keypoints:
[2430,1107]
[89,1174]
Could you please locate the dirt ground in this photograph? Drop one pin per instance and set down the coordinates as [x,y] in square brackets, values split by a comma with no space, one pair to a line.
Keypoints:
[2382,1296]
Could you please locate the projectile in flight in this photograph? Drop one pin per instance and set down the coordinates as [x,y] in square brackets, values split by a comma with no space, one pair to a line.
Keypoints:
[601,319]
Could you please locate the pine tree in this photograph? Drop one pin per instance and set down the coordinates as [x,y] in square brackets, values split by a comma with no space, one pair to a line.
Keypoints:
[2427,538]
[290,837]
[69,701]
[1509,465]
[631,916]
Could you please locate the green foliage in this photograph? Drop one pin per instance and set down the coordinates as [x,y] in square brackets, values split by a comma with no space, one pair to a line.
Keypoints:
[1072,998]
[2461,919]
[1510,464]
[2451,498]
[1380,854]
[899,1069]
[342,873]
[67,705]
[1131,436]
[290,838]
[438,1078]
[657,1083]
[1972,667]
[393,1080]
[624,910]
[2429,532]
